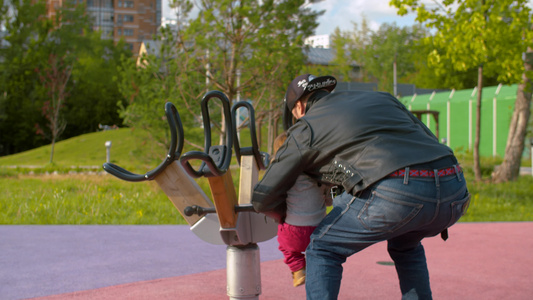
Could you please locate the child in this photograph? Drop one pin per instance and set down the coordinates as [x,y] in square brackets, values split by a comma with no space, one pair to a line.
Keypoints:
[306,207]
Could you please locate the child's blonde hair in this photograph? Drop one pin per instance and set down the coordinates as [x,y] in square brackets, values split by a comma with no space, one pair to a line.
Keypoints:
[280,139]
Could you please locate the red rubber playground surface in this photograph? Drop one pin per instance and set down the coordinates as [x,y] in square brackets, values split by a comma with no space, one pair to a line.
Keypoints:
[479,261]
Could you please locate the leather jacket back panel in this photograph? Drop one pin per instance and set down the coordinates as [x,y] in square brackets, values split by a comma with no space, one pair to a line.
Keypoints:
[351,139]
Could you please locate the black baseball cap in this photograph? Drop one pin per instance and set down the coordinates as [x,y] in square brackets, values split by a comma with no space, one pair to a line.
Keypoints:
[305,84]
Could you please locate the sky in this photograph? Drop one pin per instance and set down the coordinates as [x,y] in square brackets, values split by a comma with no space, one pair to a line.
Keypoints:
[341,13]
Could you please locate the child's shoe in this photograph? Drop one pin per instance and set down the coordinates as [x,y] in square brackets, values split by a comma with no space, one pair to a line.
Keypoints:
[298,277]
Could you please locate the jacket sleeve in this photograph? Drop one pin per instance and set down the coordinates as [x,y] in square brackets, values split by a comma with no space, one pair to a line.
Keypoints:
[270,193]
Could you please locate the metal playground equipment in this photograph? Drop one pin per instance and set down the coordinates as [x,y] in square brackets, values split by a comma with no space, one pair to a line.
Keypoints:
[227,218]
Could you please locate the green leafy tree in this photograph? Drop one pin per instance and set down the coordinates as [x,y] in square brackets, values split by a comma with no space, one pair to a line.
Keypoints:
[392,47]
[488,35]
[379,52]
[164,73]
[350,47]
[444,77]
[94,92]
[25,34]
[30,40]
[342,65]
[55,72]
[245,49]
[54,79]
[254,42]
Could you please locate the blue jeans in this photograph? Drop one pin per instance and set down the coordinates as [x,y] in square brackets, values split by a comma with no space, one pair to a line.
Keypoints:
[399,210]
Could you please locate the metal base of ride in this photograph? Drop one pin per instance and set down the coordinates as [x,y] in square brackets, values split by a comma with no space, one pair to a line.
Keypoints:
[243,272]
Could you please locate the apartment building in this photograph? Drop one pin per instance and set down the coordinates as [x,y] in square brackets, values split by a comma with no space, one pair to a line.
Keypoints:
[132,20]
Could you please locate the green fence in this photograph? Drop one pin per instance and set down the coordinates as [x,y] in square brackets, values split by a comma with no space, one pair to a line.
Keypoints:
[457,117]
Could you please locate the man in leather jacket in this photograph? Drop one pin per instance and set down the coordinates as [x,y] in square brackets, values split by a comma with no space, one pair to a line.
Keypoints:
[400,184]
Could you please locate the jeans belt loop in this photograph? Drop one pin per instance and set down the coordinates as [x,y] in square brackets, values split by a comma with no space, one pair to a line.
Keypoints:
[406,176]
[457,172]
[436,177]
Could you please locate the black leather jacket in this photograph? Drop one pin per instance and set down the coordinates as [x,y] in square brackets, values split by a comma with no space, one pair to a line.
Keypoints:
[351,139]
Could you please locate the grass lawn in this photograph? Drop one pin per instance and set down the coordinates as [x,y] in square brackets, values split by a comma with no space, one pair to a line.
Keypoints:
[83,199]
[32,195]
[511,201]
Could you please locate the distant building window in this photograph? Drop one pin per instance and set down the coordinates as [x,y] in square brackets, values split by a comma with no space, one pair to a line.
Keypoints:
[107,32]
[128,4]
[128,32]
[119,4]
[128,18]
[119,31]
[107,17]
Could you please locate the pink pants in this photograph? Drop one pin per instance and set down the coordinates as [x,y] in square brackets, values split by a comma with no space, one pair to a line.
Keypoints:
[293,241]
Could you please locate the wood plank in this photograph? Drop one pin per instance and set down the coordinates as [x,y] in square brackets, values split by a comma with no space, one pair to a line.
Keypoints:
[182,190]
[248,179]
[225,199]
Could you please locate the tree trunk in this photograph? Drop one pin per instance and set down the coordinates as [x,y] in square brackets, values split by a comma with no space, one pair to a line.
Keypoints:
[52,151]
[477,166]
[259,124]
[510,167]
[270,134]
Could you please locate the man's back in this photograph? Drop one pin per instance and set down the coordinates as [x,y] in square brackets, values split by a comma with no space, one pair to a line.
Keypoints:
[369,134]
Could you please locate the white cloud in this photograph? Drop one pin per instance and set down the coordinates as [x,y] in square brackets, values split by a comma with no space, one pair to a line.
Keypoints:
[341,13]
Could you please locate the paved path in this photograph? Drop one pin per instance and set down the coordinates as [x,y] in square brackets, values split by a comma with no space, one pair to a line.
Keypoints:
[480,261]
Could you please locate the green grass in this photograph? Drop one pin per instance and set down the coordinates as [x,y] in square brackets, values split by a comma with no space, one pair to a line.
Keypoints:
[510,201]
[71,197]
[503,202]
[130,149]
[83,199]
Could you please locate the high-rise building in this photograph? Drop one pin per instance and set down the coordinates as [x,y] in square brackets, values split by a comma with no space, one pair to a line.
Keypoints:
[133,20]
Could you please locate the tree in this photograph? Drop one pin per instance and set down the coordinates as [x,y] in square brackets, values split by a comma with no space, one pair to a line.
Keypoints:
[61,42]
[249,49]
[510,167]
[392,47]
[256,41]
[165,73]
[444,77]
[55,79]
[377,52]
[489,35]
[351,46]
[94,91]
[29,41]
[25,35]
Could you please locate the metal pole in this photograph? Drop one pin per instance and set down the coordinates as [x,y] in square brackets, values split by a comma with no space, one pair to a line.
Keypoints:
[448,119]
[412,99]
[243,272]
[494,120]
[428,107]
[395,87]
[108,151]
